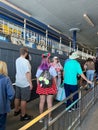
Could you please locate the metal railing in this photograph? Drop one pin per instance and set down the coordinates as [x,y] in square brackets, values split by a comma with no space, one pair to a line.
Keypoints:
[62,118]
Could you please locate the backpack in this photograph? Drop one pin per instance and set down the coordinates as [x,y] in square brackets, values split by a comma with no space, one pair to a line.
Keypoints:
[45,79]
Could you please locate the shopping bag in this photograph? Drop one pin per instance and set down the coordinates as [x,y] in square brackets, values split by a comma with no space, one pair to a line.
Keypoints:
[60,94]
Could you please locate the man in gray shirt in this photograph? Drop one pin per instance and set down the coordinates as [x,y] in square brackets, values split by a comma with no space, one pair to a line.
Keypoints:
[23,84]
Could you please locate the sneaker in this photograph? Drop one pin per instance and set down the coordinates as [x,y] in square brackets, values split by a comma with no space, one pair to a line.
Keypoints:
[41,121]
[25,117]
[69,111]
[49,120]
[73,109]
[16,113]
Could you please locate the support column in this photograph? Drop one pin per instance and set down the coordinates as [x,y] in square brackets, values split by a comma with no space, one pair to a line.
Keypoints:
[46,37]
[24,33]
[77,48]
[60,51]
[70,49]
[74,40]
[82,53]
[46,44]
[96,52]
[87,54]
[74,30]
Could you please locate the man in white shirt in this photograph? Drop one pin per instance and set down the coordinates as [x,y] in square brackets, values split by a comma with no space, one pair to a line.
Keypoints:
[23,84]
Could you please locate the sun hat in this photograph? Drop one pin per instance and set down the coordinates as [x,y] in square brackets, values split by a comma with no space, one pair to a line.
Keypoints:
[73,55]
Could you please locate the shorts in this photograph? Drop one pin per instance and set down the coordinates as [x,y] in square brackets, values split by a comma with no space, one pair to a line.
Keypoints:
[23,93]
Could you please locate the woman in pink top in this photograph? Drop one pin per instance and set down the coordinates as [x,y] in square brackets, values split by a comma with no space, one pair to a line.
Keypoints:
[58,67]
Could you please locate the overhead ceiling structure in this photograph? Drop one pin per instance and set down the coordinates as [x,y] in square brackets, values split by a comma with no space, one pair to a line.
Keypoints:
[66,14]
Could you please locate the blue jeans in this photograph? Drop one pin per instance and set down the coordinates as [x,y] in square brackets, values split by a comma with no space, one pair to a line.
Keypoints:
[69,89]
[3,121]
[90,76]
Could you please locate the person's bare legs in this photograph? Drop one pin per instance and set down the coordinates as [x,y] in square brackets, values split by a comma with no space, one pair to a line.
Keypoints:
[17,104]
[23,108]
[49,102]
[41,104]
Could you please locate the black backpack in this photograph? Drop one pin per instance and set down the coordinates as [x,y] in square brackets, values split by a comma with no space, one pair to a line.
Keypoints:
[45,79]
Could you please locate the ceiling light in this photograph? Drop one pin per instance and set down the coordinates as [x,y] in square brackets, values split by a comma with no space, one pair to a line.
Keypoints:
[54,29]
[74,29]
[88,20]
[15,7]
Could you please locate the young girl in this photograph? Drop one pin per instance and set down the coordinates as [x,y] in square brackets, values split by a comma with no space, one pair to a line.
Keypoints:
[6,94]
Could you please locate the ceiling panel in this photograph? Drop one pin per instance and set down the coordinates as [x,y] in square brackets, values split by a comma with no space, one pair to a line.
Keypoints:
[65,14]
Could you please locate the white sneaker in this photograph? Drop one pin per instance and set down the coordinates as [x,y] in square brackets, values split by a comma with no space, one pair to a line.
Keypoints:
[69,111]
[41,120]
[73,109]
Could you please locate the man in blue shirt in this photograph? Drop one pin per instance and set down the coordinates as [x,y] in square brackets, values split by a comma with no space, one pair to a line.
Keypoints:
[72,69]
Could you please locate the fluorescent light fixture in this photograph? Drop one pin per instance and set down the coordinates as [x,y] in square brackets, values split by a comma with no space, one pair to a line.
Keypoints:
[88,20]
[49,26]
[74,29]
[15,7]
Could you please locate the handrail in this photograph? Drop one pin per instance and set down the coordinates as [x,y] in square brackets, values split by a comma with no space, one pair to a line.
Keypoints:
[47,112]
[85,103]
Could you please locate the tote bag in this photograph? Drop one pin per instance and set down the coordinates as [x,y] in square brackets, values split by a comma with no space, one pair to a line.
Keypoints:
[61,93]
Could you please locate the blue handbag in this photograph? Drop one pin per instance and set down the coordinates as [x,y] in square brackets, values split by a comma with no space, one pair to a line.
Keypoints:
[61,93]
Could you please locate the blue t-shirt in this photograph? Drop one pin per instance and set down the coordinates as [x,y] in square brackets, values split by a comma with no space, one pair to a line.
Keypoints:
[72,68]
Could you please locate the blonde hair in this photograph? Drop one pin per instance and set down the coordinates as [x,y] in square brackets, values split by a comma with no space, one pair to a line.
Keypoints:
[3,68]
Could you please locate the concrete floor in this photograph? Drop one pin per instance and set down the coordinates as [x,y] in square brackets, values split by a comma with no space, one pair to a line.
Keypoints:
[14,123]
[91,120]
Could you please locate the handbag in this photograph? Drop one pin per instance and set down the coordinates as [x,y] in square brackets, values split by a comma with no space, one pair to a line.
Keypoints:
[61,93]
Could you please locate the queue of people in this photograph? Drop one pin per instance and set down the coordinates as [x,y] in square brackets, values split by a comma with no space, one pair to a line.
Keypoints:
[48,77]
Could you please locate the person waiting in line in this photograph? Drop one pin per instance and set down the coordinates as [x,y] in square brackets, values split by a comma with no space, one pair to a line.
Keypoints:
[23,84]
[90,71]
[28,57]
[46,92]
[82,82]
[96,68]
[58,67]
[6,94]
[72,69]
